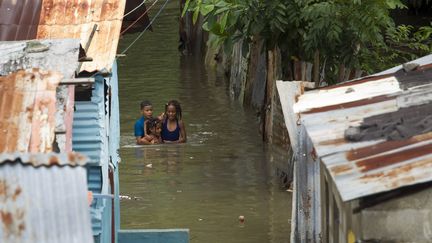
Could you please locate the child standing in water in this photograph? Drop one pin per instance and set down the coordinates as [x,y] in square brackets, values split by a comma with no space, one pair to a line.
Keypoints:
[153,128]
[147,113]
[173,129]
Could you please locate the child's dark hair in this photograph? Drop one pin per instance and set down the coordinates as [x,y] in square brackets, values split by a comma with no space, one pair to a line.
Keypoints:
[176,104]
[145,103]
[152,123]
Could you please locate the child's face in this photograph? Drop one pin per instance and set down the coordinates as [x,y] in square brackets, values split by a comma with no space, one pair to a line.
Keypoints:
[147,111]
[156,130]
[171,112]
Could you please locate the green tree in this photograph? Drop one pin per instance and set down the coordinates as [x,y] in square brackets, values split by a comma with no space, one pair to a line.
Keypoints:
[343,33]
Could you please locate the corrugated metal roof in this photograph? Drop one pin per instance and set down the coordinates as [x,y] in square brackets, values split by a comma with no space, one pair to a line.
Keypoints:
[75,19]
[27,107]
[44,204]
[19,19]
[49,159]
[394,104]
[421,61]
[59,55]
[54,19]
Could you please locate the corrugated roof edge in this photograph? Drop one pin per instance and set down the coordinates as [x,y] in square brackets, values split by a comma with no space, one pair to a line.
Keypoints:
[422,61]
[45,159]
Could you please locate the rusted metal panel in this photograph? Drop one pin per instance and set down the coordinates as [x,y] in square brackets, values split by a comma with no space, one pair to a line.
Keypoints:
[44,204]
[395,105]
[27,108]
[59,55]
[45,159]
[19,19]
[76,19]
[59,19]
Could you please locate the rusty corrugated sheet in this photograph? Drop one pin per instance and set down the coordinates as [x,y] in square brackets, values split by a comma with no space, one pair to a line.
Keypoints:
[47,159]
[362,164]
[76,19]
[27,107]
[60,55]
[59,19]
[19,19]
[44,204]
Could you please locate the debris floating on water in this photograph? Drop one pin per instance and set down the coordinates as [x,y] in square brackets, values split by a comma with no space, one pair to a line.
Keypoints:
[241,219]
[124,197]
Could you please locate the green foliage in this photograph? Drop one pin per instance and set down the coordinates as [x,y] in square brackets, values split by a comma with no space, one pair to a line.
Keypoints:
[402,44]
[354,33]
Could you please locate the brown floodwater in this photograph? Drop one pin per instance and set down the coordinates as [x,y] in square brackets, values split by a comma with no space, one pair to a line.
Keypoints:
[223,172]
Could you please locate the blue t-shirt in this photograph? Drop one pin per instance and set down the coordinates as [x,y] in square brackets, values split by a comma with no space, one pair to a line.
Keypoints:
[139,127]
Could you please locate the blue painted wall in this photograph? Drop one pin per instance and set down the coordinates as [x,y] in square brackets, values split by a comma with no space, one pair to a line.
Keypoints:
[154,236]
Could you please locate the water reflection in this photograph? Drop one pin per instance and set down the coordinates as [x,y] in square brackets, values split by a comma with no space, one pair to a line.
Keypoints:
[224,170]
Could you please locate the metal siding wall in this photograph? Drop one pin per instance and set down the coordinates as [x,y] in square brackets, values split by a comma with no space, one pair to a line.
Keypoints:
[307,204]
[44,204]
[90,138]
[114,143]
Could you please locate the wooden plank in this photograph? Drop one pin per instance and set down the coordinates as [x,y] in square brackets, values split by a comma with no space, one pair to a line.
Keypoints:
[77,81]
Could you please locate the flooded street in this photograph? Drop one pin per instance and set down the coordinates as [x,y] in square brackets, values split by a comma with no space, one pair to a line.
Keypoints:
[224,170]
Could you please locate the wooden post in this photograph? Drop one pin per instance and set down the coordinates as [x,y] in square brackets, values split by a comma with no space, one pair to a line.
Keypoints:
[270,88]
[341,72]
[316,68]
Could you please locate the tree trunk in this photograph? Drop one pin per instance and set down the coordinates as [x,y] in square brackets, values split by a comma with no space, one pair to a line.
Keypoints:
[341,73]
[316,69]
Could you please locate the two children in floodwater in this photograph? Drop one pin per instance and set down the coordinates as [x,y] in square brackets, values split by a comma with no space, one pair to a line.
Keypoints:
[166,128]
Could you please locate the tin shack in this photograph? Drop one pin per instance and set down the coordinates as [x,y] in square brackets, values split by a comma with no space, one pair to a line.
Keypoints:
[363,167]
[66,51]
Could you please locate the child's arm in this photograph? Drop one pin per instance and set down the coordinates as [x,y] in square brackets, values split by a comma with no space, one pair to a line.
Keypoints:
[143,141]
[183,136]
[162,116]
[145,132]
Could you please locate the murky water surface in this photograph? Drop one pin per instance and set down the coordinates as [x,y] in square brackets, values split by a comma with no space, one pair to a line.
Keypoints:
[224,170]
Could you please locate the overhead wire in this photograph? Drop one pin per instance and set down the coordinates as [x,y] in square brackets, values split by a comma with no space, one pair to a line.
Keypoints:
[151,22]
[134,8]
[142,15]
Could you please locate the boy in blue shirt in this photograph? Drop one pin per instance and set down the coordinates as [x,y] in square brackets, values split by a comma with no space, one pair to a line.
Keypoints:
[147,113]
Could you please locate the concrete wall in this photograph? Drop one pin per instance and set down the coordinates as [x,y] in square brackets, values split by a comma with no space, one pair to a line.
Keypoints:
[402,219]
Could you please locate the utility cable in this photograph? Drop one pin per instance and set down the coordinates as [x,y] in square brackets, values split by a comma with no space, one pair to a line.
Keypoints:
[142,15]
[134,8]
[151,22]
